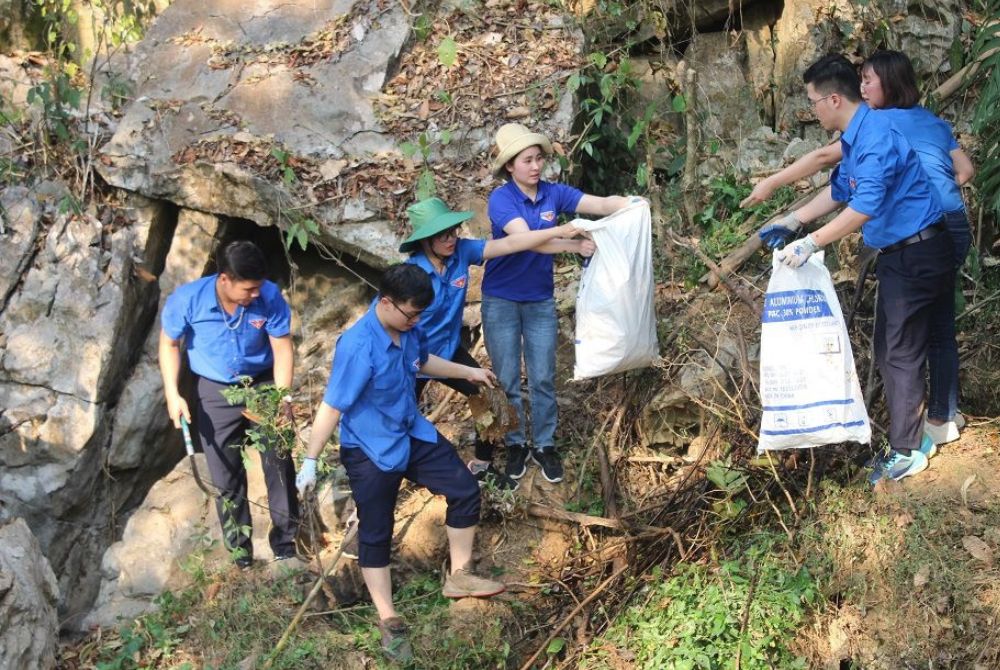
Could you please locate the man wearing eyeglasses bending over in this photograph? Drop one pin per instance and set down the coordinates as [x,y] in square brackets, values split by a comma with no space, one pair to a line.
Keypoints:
[889,198]
[384,438]
[436,247]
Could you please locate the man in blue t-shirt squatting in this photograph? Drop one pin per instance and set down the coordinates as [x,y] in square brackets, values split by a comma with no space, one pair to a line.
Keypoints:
[233,324]
[384,438]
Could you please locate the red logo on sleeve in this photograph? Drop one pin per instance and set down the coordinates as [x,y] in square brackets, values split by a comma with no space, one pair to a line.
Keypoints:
[258,323]
[548,216]
[459,282]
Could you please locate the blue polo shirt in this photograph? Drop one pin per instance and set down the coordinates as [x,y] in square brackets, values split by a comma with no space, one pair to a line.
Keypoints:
[527,275]
[880,176]
[933,140]
[442,320]
[224,347]
[372,384]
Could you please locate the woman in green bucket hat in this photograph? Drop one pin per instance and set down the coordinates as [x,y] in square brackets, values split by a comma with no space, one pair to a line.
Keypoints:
[436,247]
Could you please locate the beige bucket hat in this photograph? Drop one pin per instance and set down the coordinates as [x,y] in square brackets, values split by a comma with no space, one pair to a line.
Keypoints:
[512,139]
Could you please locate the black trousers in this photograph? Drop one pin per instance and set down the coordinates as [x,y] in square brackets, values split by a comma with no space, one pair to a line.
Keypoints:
[484,449]
[915,283]
[222,429]
[434,465]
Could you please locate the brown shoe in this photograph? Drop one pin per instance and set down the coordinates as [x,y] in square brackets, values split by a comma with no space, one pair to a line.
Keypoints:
[464,584]
[395,645]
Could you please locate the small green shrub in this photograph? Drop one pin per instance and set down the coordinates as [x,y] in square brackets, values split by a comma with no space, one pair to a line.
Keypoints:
[694,618]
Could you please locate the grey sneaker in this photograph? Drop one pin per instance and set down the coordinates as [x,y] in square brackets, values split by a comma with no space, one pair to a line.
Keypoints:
[548,460]
[463,583]
[488,474]
[395,644]
[517,459]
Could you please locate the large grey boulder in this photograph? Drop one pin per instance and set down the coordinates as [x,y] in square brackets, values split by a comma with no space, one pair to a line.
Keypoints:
[292,113]
[29,626]
[76,312]
[218,80]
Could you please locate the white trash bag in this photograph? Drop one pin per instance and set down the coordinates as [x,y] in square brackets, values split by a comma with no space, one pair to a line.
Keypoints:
[809,387]
[615,319]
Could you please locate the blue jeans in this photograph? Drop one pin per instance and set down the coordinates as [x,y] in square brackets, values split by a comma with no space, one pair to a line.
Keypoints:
[942,349]
[512,327]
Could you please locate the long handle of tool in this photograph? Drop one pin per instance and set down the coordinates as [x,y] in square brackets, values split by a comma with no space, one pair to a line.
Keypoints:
[186,431]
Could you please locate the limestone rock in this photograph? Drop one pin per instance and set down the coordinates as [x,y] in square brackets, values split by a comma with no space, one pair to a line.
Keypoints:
[202,77]
[723,95]
[29,626]
[175,522]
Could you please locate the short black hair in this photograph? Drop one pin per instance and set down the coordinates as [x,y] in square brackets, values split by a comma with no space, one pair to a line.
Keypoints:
[899,81]
[405,282]
[833,73]
[241,260]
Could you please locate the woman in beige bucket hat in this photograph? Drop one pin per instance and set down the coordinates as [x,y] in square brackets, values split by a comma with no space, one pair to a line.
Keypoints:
[519,313]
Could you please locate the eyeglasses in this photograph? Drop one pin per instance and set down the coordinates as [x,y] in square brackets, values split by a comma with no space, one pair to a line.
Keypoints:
[819,100]
[410,316]
[444,235]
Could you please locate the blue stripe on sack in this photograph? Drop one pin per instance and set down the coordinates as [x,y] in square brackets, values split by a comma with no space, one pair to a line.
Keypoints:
[785,408]
[795,305]
[799,431]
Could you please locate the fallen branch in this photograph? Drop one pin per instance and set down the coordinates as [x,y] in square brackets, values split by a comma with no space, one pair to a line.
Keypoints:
[715,270]
[569,617]
[739,256]
[309,598]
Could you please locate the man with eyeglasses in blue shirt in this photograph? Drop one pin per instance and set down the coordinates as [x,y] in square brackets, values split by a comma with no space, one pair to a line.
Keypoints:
[384,438]
[888,196]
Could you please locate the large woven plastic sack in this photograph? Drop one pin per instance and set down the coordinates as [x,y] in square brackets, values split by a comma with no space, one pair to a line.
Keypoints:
[615,319]
[808,383]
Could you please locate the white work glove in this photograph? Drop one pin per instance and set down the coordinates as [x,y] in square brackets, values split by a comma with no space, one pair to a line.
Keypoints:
[796,253]
[306,479]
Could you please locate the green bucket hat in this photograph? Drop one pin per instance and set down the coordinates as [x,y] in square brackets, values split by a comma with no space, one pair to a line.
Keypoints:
[428,218]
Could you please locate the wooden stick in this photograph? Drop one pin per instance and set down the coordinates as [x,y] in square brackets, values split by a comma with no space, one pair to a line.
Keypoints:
[569,617]
[692,245]
[734,260]
[309,598]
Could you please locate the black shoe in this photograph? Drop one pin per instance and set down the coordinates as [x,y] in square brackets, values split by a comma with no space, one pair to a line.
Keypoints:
[349,545]
[517,457]
[548,461]
[244,562]
[488,474]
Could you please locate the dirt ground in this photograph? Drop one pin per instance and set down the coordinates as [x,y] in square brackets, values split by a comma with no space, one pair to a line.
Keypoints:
[914,581]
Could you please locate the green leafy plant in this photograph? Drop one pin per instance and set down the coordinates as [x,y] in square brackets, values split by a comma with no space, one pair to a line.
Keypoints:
[986,120]
[424,145]
[298,228]
[271,426]
[704,617]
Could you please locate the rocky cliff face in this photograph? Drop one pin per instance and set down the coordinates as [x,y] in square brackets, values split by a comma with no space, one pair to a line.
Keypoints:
[28,595]
[248,117]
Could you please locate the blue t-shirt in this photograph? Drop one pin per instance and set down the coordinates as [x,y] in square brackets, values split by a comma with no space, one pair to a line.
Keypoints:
[372,384]
[224,347]
[933,140]
[880,176]
[442,320]
[527,275]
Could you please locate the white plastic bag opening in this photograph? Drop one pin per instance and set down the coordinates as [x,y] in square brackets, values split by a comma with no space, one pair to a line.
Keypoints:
[615,318]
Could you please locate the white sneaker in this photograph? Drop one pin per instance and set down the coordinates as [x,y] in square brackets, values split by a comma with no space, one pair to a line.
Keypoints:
[947,431]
